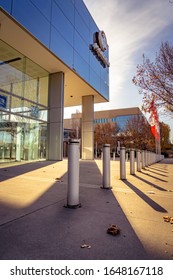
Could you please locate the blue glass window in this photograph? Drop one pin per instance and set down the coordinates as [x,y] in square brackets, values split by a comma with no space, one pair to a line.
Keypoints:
[31,18]
[95,64]
[94,80]
[81,47]
[61,47]
[122,120]
[62,24]
[81,66]
[67,7]
[82,28]
[44,7]
[104,89]
[6,4]
[82,10]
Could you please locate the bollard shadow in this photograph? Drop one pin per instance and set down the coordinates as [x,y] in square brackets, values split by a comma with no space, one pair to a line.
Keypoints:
[150,183]
[157,173]
[45,229]
[145,198]
[152,176]
[11,171]
[158,169]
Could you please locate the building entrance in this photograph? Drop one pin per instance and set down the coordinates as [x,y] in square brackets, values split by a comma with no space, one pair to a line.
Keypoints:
[22,141]
[23,107]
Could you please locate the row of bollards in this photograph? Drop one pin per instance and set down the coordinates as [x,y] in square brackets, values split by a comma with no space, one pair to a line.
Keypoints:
[143,159]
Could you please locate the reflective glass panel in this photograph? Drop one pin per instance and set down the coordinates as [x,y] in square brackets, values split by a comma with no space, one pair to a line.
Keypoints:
[23,107]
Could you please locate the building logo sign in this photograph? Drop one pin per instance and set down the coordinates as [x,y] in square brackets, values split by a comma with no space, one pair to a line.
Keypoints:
[3,101]
[99,46]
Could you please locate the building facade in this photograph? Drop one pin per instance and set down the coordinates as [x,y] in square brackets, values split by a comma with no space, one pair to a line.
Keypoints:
[118,116]
[117,120]
[52,54]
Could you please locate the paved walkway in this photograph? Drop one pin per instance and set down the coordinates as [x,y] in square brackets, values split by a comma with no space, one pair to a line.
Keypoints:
[34,224]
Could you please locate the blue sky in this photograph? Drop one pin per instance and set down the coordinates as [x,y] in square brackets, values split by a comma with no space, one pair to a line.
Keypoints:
[132,28]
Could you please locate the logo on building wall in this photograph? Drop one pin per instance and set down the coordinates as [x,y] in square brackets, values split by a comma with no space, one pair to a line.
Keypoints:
[99,46]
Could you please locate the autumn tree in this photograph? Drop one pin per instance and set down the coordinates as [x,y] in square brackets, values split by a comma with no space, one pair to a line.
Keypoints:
[105,133]
[165,137]
[138,134]
[155,79]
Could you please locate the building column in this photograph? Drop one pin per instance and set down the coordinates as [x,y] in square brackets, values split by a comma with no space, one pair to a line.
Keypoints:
[55,116]
[87,127]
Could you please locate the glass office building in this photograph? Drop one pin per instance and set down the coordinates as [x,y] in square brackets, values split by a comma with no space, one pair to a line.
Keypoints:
[52,54]
[118,116]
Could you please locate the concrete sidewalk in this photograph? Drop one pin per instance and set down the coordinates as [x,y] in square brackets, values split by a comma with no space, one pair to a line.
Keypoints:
[34,224]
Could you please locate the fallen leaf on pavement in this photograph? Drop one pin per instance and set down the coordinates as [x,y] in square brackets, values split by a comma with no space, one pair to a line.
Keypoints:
[168,219]
[113,229]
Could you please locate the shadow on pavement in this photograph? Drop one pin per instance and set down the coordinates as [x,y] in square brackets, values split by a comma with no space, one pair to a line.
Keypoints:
[154,177]
[151,170]
[148,200]
[47,230]
[158,169]
[8,172]
[150,183]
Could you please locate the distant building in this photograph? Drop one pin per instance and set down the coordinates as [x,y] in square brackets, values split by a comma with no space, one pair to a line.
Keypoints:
[120,116]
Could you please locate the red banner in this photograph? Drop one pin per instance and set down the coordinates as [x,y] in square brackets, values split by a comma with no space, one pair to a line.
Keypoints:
[154,121]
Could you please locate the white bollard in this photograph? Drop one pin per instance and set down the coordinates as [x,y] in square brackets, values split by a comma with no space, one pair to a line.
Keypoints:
[132,162]
[113,155]
[138,160]
[149,158]
[106,166]
[73,175]
[146,158]
[143,159]
[122,163]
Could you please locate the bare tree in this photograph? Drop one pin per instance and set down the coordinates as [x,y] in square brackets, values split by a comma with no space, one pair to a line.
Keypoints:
[138,134]
[155,79]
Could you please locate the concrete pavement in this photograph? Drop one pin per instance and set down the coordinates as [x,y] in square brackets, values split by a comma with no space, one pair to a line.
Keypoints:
[34,224]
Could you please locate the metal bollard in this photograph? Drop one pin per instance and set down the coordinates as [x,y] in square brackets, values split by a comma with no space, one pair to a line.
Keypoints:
[138,160]
[132,162]
[122,163]
[143,159]
[106,166]
[146,158]
[73,175]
